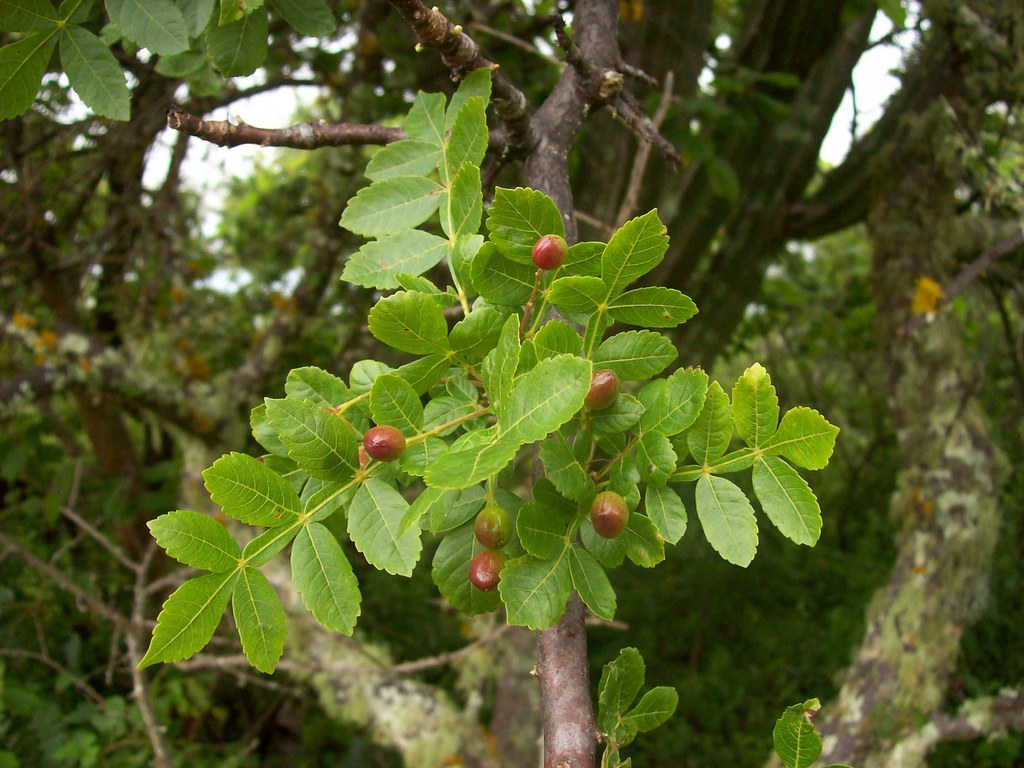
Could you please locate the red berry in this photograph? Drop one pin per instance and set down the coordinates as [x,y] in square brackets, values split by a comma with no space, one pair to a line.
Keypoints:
[384,443]
[609,514]
[550,251]
[485,570]
[493,527]
[604,388]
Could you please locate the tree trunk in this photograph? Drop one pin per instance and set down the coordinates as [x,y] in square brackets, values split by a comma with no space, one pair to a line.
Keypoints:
[947,490]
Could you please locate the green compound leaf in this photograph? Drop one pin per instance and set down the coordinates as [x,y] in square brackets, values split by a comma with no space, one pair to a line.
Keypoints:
[535,591]
[196,14]
[787,500]
[457,507]
[674,403]
[635,355]
[251,492]
[805,437]
[380,263]
[655,457]
[464,210]
[621,681]
[577,297]
[425,121]
[22,66]
[755,406]
[259,618]
[390,205]
[709,438]
[609,552]
[591,582]
[467,139]
[94,73]
[654,709]
[395,403]
[501,280]
[316,385]
[195,540]
[653,307]
[324,579]
[585,259]
[623,414]
[518,218]
[189,617]
[424,373]
[240,47]
[797,742]
[322,443]
[727,519]
[562,469]
[263,433]
[27,16]
[642,542]
[309,17]
[410,322]
[634,250]
[556,338]
[261,549]
[666,511]
[154,24]
[450,572]
[374,525]
[408,157]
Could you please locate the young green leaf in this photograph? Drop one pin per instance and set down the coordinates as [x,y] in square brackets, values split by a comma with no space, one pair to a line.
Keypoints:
[408,157]
[450,572]
[655,457]
[667,511]
[634,250]
[394,402]
[379,263]
[656,707]
[787,500]
[542,530]
[755,406]
[635,355]
[727,519]
[709,438]
[674,403]
[94,73]
[324,579]
[577,297]
[374,522]
[261,549]
[189,617]
[797,742]
[457,508]
[410,322]
[251,492]
[238,48]
[518,218]
[424,373]
[591,583]
[477,333]
[259,618]
[556,338]
[585,259]
[621,681]
[425,121]
[322,443]
[475,85]
[154,24]
[390,205]
[467,139]
[464,209]
[653,307]
[535,591]
[642,542]
[562,469]
[316,385]
[805,437]
[623,414]
[609,552]
[308,17]
[501,280]
[195,540]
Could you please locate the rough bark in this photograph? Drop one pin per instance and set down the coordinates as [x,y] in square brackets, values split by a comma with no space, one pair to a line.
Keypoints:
[947,490]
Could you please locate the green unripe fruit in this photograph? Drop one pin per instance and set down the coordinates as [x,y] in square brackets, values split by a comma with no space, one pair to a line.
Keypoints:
[550,251]
[609,514]
[604,388]
[493,527]
[384,443]
[485,570]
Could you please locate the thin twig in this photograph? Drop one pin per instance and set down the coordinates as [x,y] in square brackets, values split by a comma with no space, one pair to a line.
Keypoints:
[477,26]
[100,539]
[643,154]
[90,692]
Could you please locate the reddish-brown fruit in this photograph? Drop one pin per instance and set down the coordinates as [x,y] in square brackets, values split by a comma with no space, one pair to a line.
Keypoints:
[609,514]
[550,251]
[493,527]
[604,388]
[485,570]
[384,443]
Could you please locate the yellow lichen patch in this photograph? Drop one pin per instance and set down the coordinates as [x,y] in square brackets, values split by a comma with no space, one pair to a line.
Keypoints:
[927,295]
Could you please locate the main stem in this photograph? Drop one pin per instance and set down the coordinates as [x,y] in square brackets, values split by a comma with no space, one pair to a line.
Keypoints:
[569,729]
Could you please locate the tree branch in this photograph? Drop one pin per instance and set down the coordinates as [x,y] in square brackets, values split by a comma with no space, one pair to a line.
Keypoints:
[302,136]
